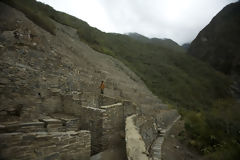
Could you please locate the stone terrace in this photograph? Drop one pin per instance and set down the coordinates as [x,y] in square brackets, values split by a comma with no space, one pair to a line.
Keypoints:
[82,132]
[49,139]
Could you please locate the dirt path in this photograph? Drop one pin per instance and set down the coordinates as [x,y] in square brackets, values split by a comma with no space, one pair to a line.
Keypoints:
[173,149]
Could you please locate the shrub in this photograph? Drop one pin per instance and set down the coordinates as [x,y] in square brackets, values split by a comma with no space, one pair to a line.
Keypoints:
[41,20]
[33,14]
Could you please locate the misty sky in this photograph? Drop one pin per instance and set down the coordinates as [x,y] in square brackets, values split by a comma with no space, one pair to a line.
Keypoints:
[179,20]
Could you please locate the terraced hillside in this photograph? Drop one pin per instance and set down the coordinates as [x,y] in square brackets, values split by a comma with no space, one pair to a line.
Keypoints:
[55,58]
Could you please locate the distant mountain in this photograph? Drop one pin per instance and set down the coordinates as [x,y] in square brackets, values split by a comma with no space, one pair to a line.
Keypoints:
[186,46]
[219,43]
[138,37]
[167,43]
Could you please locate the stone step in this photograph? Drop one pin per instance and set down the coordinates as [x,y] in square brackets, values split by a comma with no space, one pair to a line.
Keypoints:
[51,121]
[156,148]
[22,127]
[157,153]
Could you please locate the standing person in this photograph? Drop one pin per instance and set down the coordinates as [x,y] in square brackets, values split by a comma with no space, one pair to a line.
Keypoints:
[102,87]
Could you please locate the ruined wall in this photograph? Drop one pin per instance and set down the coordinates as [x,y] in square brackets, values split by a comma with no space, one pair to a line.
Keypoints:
[105,119]
[105,123]
[141,132]
[135,145]
[113,125]
[129,108]
[49,139]
[70,105]
[106,100]
[147,128]
[90,99]
[92,120]
[43,145]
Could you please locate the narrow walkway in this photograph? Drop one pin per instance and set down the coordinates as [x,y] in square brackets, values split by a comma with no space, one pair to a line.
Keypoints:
[156,149]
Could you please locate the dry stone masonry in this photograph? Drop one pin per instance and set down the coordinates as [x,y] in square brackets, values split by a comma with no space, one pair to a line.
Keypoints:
[49,139]
[50,106]
[144,134]
[90,130]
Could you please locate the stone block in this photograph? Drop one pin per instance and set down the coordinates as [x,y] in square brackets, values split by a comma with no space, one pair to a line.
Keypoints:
[43,145]
[129,108]
[52,156]
[31,127]
[70,106]
[51,121]
[2,128]
[105,100]
[55,127]
[52,104]
[71,124]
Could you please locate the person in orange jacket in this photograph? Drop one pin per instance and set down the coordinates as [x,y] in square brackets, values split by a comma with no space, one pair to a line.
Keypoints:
[102,87]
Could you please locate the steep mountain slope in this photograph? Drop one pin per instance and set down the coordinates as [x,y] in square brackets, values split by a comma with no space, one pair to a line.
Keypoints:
[34,67]
[59,58]
[44,75]
[165,43]
[138,37]
[218,43]
[165,69]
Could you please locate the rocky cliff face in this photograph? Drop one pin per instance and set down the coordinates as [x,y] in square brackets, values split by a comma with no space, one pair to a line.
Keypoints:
[218,43]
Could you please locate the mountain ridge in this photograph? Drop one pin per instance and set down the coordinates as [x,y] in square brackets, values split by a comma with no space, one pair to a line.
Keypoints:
[200,93]
[218,43]
[163,42]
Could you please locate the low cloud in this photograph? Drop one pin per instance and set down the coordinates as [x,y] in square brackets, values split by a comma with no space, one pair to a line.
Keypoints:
[179,20]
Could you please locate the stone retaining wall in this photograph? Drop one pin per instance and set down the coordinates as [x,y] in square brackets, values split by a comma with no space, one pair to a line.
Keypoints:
[48,139]
[106,100]
[45,145]
[90,99]
[129,108]
[113,125]
[105,123]
[92,120]
[144,134]
[148,129]
[135,146]
[43,125]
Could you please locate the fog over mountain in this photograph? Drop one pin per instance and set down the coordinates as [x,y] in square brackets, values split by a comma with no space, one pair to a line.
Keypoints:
[174,19]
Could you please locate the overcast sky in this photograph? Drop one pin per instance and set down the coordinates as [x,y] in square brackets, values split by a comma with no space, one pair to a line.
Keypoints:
[179,20]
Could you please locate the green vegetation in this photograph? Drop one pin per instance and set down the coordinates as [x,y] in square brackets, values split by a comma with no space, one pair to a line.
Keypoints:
[200,93]
[30,9]
[215,132]
[222,34]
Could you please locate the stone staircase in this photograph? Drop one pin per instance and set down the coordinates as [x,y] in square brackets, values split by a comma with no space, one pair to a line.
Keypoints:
[48,138]
[156,149]
[151,130]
